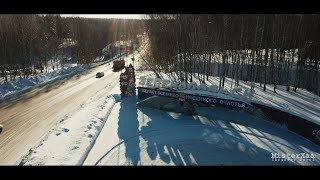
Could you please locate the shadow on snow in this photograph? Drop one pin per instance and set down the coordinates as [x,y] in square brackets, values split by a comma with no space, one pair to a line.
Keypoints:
[218,139]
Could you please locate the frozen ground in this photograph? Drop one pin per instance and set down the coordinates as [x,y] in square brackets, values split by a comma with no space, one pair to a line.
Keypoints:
[13,89]
[124,134]
[301,103]
[216,136]
[71,140]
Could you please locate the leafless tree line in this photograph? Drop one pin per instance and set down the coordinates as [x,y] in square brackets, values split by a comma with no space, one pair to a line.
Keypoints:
[30,44]
[265,49]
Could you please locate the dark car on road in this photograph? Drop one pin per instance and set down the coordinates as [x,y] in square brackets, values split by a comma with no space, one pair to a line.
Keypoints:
[99,74]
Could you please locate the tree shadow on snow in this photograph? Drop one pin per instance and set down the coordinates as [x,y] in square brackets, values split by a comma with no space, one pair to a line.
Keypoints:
[128,127]
[184,140]
[224,137]
[270,134]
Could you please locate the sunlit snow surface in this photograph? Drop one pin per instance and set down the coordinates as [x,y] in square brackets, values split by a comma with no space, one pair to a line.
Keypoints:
[114,131]
[144,136]
[13,89]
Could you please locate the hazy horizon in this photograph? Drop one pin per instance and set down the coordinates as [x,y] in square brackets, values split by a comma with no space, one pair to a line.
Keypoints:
[105,16]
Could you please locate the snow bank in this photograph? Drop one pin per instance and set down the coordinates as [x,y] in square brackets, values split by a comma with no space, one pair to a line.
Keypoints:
[13,89]
[301,103]
[70,142]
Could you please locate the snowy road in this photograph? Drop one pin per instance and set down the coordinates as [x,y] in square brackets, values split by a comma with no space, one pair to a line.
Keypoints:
[28,119]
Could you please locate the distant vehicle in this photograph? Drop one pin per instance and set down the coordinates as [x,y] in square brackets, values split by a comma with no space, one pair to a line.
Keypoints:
[1,128]
[118,65]
[99,74]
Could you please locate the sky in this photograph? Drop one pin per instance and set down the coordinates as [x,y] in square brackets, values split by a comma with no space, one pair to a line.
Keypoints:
[119,16]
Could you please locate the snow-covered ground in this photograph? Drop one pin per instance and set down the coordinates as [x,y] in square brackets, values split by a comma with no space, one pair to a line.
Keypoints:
[13,89]
[71,141]
[301,103]
[216,136]
[108,130]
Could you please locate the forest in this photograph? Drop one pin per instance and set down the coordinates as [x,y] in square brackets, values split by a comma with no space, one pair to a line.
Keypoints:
[33,43]
[278,49]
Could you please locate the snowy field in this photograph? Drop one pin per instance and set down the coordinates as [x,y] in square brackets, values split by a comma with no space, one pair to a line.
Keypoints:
[108,130]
